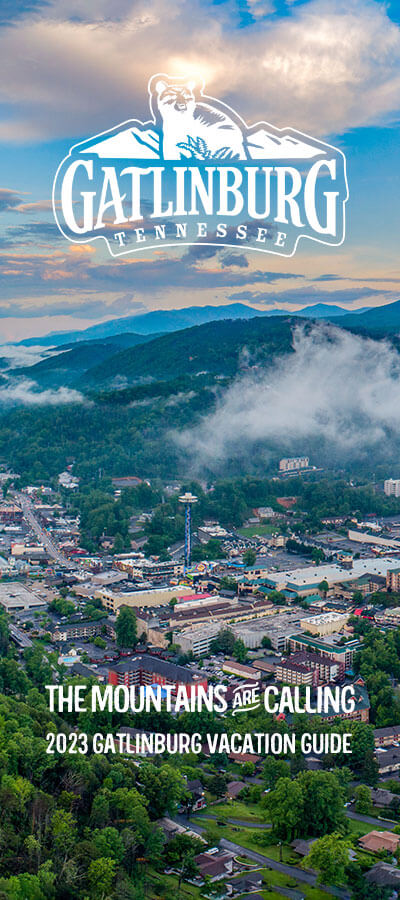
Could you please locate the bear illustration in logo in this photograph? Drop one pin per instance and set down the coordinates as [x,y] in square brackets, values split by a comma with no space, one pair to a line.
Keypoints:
[192,128]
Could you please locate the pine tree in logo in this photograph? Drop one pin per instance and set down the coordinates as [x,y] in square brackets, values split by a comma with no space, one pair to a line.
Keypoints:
[197,148]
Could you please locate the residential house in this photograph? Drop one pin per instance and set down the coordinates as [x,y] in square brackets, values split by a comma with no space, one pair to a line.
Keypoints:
[379,840]
[215,863]
[249,882]
[234,788]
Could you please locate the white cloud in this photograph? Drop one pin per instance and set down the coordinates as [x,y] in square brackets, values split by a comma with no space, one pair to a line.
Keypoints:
[336,387]
[326,67]
[27,393]
[17,355]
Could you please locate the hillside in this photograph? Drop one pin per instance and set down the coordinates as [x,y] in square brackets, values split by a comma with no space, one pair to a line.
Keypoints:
[72,361]
[378,321]
[219,348]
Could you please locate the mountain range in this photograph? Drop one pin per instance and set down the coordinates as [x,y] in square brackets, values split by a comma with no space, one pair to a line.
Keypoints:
[165,320]
[217,347]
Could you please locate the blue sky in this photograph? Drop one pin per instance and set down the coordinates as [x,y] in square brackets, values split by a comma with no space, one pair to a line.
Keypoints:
[72,68]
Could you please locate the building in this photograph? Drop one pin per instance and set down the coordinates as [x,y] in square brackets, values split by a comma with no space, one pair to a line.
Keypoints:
[361,710]
[291,673]
[69,631]
[393,579]
[136,598]
[149,670]
[384,799]
[384,875]
[234,668]
[388,759]
[215,864]
[375,841]
[363,537]
[391,487]
[383,737]
[306,580]
[126,481]
[248,883]
[196,791]
[327,623]
[294,463]
[389,618]
[14,597]
[149,570]
[29,551]
[331,646]
[206,533]
[325,670]
[66,480]
[10,513]
[197,640]
[234,788]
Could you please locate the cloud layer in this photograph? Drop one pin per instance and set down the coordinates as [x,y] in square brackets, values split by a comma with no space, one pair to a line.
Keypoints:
[326,66]
[336,388]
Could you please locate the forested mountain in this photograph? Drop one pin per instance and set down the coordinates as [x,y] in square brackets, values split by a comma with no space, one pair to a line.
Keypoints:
[72,360]
[378,321]
[221,348]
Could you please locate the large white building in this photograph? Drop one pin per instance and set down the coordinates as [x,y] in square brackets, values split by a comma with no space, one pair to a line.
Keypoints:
[392,487]
[327,623]
[306,580]
[291,464]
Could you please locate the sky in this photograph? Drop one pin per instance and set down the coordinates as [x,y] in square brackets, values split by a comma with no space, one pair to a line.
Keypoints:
[73,68]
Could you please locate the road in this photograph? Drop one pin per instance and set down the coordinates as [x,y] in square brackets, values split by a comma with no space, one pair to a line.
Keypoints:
[387,824]
[306,875]
[41,533]
[19,637]
[299,874]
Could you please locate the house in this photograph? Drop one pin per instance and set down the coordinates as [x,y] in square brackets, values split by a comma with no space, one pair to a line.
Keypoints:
[383,737]
[247,883]
[171,829]
[244,757]
[384,875]
[234,788]
[388,759]
[215,863]
[384,799]
[195,789]
[379,840]
[301,846]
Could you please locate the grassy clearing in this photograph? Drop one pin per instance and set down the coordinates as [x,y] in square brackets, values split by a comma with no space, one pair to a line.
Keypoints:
[235,809]
[251,530]
[359,828]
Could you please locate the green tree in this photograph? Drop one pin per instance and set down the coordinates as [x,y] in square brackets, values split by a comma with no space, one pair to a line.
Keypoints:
[163,788]
[224,642]
[323,587]
[101,874]
[126,627]
[285,805]
[364,805]
[249,556]
[323,802]
[108,843]
[273,770]
[239,651]
[329,855]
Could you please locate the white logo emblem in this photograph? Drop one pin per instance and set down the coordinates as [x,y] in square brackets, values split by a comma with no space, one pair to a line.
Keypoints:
[197,174]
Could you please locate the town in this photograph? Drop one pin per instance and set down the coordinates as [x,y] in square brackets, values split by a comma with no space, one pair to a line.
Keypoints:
[238,678]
